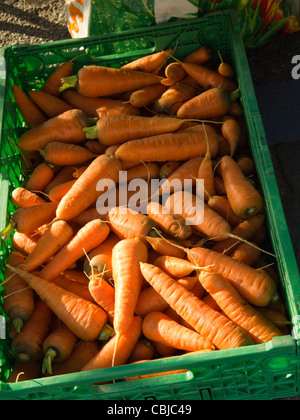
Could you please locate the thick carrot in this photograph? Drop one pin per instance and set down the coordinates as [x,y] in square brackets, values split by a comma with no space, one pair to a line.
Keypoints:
[40,177]
[143,350]
[94,81]
[81,354]
[150,300]
[86,216]
[53,82]
[181,145]
[49,104]
[103,294]
[90,105]
[169,223]
[95,146]
[87,238]
[18,298]
[84,192]
[256,287]
[174,73]
[127,223]
[149,62]
[218,329]
[83,318]
[62,154]
[221,205]
[165,246]
[21,197]
[244,198]
[55,237]
[159,327]
[126,256]
[237,309]
[231,131]
[66,127]
[117,129]
[199,56]
[246,253]
[57,192]
[31,114]
[27,219]
[146,96]
[27,345]
[24,242]
[57,347]
[210,104]
[118,349]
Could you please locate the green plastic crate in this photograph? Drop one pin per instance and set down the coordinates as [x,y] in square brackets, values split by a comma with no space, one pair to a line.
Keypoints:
[265,371]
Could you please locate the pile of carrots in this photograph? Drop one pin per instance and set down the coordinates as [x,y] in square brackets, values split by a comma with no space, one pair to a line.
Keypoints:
[85,291]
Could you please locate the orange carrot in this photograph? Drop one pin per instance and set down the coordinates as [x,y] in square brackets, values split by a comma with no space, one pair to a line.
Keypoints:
[63,175]
[120,347]
[174,267]
[146,171]
[199,56]
[165,246]
[117,129]
[246,253]
[18,298]
[49,104]
[87,238]
[149,62]
[219,330]
[84,192]
[21,197]
[174,73]
[181,145]
[63,154]
[231,131]
[104,295]
[57,192]
[225,69]
[126,256]
[79,289]
[66,127]
[31,114]
[24,242]
[57,347]
[53,82]
[95,146]
[256,287]
[83,318]
[86,216]
[237,309]
[40,177]
[55,237]
[169,223]
[206,173]
[94,81]
[157,326]
[221,205]
[168,168]
[90,105]
[146,96]
[27,345]
[244,198]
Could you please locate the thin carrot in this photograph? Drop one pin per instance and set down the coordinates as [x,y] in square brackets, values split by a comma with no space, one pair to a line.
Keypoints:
[121,347]
[55,237]
[49,104]
[117,129]
[66,127]
[199,56]
[40,177]
[126,256]
[169,223]
[63,154]
[83,318]
[57,347]
[244,198]
[146,96]
[90,105]
[87,238]
[27,345]
[220,331]
[232,132]
[18,299]
[84,192]
[31,114]
[256,287]
[52,83]
[94,81]
[181,145]
[149,62]
[159,327]
[206,173]
[103,294]
[82,353]
[237,309]
[21,197]
[174,267]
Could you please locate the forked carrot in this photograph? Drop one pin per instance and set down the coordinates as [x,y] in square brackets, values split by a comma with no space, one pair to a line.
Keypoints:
[31,114]
[83,318]
[218,329]
[237,309]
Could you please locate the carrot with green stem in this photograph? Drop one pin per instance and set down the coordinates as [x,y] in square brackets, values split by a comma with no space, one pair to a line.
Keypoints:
[215,327]
[83,318]
[260,329]
[143,350]
[159,327]
[31,114]
[56,236]
[87,238]
[62,154]
[18,298]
